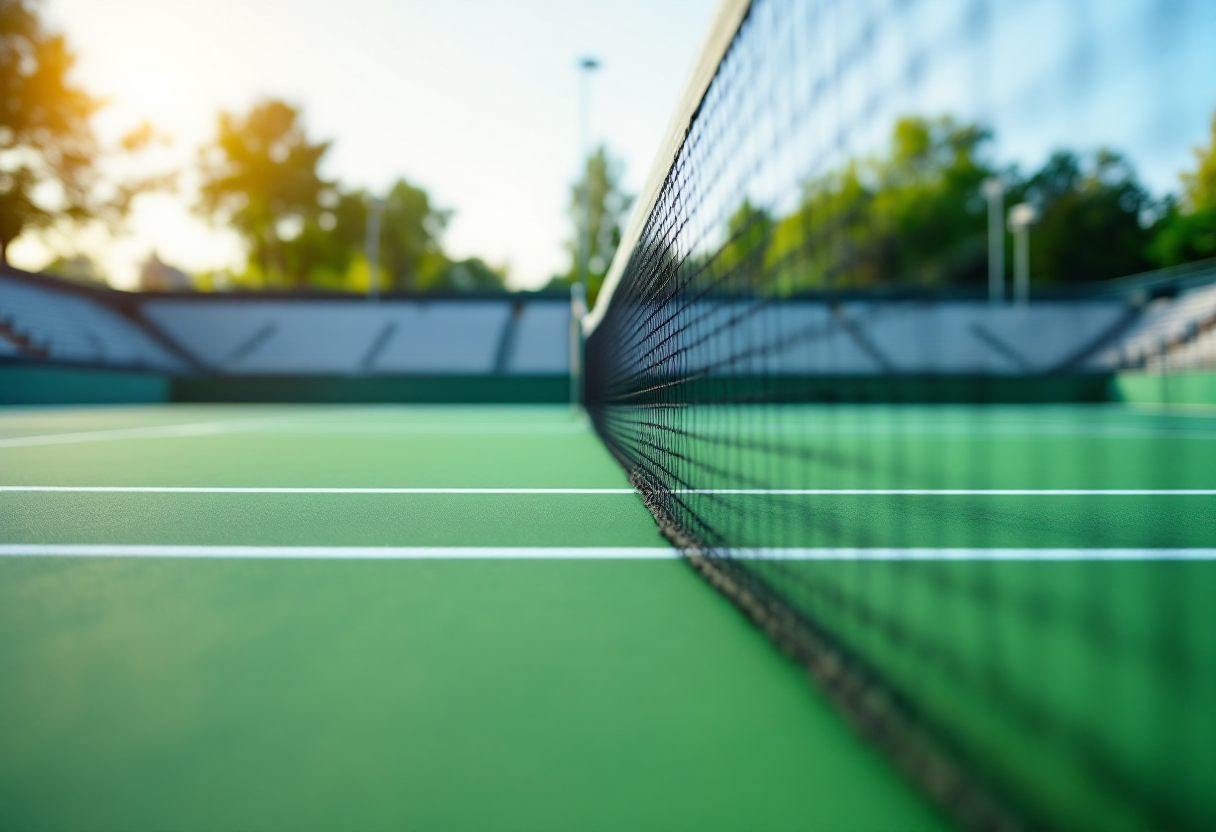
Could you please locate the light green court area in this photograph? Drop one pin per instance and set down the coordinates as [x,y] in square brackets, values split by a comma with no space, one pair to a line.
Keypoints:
[534,693]
[253,694]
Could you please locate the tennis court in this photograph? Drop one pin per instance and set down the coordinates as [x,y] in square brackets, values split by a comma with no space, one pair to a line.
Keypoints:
[461,618]
[857,472]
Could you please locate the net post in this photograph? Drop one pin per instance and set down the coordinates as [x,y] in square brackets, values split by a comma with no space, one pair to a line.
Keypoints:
[578,309]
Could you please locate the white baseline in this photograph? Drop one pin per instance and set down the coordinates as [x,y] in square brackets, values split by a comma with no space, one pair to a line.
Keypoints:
[587,553]
[758,492]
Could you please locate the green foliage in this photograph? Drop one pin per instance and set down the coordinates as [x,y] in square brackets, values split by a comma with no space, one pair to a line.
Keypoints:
[471,275]
[1184,236]
[607,207]
[913,216]
[78,268]
[819,245]
[330,239]
[409,241]
[932,224]
[260,175]
[1090,224]
[1187,231]
[1199,188]
[45,136]
[329,250]
[49,172]
[749,231]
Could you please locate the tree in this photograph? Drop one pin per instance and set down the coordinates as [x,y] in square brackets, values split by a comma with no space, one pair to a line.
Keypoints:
[608,204]
[1090,225]
[330,241]
[915,215]
[471,275]
[78,268]
[926,209]
[911,216]
[260,175]
[328,250]
[1199,188]
[409,240]
[1187,230]
[47,147]
[741,259]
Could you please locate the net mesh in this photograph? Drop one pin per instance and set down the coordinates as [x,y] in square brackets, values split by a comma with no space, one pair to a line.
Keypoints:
[828,385]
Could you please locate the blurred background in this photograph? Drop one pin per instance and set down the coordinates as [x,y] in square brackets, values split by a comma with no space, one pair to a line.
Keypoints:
[197,189]
[899,317]
[234,145]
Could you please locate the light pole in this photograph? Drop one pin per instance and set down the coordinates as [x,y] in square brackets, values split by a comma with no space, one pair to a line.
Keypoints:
[578,292]
[586,67]
[371,246]
[1021,217]
[994,191]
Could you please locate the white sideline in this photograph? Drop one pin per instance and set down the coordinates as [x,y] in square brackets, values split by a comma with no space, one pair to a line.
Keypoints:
[588,553]
[280,426]
[149,432]
[963,492]
[206,489]
[756,492]
[271,425]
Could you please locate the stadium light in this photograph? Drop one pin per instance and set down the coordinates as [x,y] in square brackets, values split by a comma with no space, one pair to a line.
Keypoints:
[586,66]
[1021,217]
[578,292]
[371,246]
[994,191]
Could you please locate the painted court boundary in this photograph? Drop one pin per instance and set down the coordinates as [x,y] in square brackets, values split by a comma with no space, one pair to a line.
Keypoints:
[587,553]
[759,492]
[273,425]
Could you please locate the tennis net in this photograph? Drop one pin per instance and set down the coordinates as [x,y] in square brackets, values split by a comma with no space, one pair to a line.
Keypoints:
[856,355]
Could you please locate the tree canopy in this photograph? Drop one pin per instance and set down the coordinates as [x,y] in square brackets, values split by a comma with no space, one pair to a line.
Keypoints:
[49,154]
[261,176]
[1091,224]
[915,215]
[1188,227]
[45,135]
[606,205]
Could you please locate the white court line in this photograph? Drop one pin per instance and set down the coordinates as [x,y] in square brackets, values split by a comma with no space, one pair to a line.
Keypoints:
[590,553]
[961,492]
[976,429]
[419,427]
[268,425]
[151,432]
[757,492]
[972,554]
[154,489]
[341,552]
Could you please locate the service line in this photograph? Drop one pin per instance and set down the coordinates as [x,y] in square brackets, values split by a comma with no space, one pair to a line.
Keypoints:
[755,492]
[587,553]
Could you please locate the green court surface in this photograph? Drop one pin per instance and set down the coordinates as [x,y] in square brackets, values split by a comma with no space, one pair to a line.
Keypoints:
[463,618]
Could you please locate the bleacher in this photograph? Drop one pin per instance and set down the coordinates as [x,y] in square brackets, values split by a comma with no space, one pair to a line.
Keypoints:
[55,323]
[354,337]
[863,338]
[1172,333]
[1153,323]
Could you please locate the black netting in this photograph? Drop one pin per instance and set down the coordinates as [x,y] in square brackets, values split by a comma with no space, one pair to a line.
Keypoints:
[919,486]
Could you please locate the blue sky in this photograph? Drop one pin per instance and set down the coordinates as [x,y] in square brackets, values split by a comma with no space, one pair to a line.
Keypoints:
[476,100]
